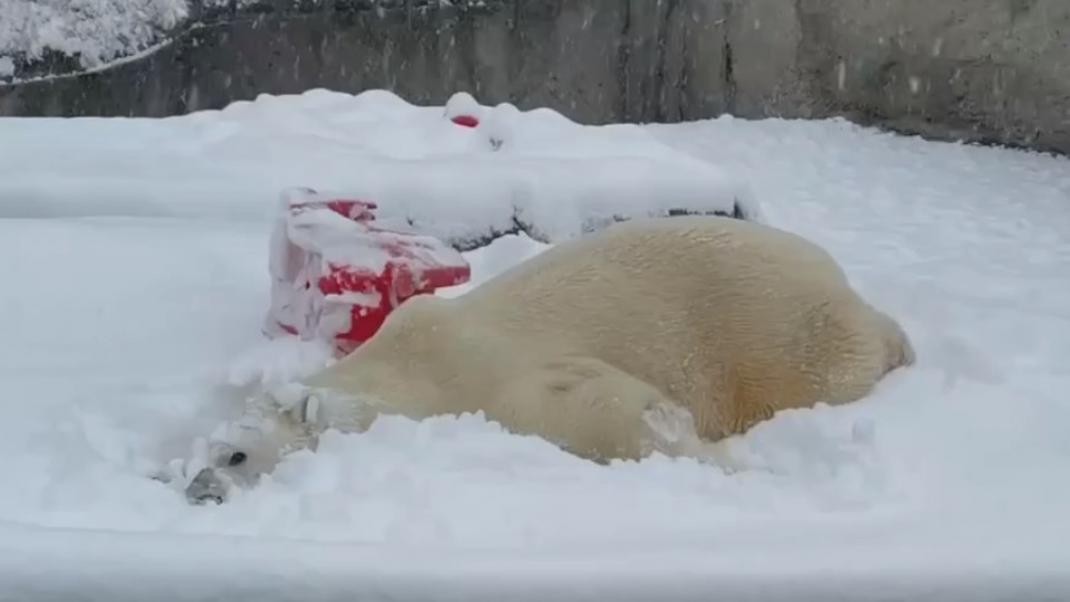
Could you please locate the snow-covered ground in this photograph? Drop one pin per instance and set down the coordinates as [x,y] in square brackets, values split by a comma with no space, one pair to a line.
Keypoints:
[133,256]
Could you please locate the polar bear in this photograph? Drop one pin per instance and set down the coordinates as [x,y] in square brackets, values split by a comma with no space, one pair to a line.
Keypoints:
[664,335]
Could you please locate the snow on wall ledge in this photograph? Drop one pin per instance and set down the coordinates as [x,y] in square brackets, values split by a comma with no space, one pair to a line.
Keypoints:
[94,32]
[89,35]
[534,172]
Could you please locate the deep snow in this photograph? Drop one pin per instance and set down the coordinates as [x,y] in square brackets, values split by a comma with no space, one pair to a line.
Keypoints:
[134,257]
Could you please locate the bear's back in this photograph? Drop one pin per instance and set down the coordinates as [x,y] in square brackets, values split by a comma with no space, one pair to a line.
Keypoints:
[673,260]
[660,296]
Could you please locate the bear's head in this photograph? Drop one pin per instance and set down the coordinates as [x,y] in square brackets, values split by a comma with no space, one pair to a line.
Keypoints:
[417,358]
[286,419]
[238,453]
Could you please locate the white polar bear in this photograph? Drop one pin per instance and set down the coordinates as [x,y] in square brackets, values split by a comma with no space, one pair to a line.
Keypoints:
[653,335]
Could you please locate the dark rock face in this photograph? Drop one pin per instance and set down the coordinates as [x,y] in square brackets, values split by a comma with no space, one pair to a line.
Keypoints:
[980,70]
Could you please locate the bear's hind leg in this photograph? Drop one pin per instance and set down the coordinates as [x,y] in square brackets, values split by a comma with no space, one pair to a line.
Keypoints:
[596,411]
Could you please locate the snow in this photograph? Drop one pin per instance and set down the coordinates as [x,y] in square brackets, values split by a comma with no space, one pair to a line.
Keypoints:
[101,33]
[549,178]
[93,31]
[134,256]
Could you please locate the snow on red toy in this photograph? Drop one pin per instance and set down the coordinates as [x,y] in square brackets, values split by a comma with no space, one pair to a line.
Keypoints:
[337,273]
[463,110]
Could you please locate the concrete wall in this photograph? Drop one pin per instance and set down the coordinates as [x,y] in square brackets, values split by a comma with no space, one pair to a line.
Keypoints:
[988,70]
[980,70]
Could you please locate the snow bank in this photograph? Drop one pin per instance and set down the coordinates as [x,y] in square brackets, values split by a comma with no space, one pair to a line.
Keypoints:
[549,176]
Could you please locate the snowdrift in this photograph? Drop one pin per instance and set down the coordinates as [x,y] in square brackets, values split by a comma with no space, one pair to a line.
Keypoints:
[534,172]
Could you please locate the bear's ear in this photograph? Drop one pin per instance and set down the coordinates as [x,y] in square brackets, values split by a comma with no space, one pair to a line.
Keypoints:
[310,409]
[306,410]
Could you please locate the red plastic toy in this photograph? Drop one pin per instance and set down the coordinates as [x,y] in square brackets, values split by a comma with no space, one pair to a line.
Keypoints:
[337,274]
[468,121]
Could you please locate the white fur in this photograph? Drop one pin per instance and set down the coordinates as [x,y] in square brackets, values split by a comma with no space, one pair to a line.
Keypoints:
[653,335]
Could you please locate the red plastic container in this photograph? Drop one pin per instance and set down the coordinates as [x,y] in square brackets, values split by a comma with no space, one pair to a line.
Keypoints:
[337,274]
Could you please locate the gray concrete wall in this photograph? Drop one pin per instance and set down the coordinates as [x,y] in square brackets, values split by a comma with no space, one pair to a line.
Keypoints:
[979,70]
[987,70]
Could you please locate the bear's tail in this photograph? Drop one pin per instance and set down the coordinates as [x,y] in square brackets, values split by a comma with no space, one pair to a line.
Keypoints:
[899,350]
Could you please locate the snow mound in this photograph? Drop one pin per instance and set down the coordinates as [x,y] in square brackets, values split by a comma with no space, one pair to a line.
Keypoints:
[551,178]
[279,361]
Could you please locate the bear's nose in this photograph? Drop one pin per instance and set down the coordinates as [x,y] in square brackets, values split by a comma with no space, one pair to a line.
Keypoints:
[205,487]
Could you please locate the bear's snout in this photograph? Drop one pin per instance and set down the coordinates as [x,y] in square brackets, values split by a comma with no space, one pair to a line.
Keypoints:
[205,487]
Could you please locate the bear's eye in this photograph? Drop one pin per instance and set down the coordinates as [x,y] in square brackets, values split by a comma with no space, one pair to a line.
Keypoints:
[236,458]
